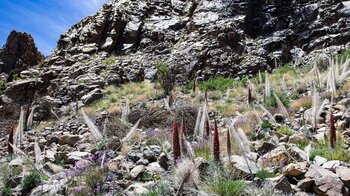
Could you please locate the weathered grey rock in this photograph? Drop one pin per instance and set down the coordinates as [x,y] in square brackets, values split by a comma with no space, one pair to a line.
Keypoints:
[92,96]
[68,139]
[344,175]
[295,169]
[316,171]
[137,171]
[75,156]
[319,160]
[246,166]
[330,185]
[280,183]
[149,155]
[306,184]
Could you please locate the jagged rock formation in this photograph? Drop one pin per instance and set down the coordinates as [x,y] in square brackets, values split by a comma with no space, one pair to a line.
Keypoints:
[197,38]
[19,53]
[223,37]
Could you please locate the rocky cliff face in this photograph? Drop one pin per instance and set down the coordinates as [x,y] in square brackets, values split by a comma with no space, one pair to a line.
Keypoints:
[198,38]
[19,53]
[225,37]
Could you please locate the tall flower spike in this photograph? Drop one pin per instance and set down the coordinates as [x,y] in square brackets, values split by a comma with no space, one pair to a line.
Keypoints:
[183,127]
[228,142]
[249,94]
[332,134]
[176,142]
[194,86]
[10,140]
[216,144]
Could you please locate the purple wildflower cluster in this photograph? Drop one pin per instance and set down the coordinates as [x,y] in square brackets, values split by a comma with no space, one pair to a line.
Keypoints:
[87,164]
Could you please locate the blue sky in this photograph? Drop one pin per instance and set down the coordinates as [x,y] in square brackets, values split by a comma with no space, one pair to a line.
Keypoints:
[45,20]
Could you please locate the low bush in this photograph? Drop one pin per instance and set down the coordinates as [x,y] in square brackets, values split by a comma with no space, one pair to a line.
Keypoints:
[285,130]
[230,187]
[29,182]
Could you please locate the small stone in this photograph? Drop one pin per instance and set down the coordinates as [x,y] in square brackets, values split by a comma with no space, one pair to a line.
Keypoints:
[137,171]
[296,169]
[149,155]
[306,184]
[280,183]
[134,157]
[279,118]
[163,160]
[76,156]
[142,162]
[319,160]
[68,139]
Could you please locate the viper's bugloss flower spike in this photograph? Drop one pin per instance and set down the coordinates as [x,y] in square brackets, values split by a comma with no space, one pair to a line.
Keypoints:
[228,142]
[216,143]
[249,94]
[194,86]
[207,128]
[183,127]
[176,142]
[10,140]
[332,134]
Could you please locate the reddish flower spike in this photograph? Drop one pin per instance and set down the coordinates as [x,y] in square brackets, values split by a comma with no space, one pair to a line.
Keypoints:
[176,142]
[228,140]
[216,144]
[332,134]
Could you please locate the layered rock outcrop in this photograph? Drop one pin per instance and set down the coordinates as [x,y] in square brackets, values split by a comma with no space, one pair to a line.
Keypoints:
[19,53]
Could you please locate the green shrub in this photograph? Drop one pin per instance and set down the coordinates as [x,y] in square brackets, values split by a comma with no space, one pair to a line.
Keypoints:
[285,130]
[230,188]
[220,83]
[6,191]
[2,87]
[165,77]
[263,174]
[29,182]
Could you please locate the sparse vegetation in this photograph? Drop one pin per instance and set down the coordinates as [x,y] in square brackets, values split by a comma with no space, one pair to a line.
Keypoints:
[166,77]
[29,182]
[263,174]
[2,87]
[285,130]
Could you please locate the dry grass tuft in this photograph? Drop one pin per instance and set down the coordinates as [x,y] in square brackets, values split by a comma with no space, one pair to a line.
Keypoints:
[304,102]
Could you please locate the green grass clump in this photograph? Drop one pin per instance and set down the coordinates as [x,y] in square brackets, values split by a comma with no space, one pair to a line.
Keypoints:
[339,152]
[271,101]
[230,188]
[203,150]
[220,84]
[2,87]
[29,182]
[266,125]
[263,174]
[6,191]
[285,130]
[284,69]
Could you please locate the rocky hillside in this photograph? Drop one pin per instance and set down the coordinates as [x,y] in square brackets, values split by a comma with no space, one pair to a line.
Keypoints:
[259,105]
